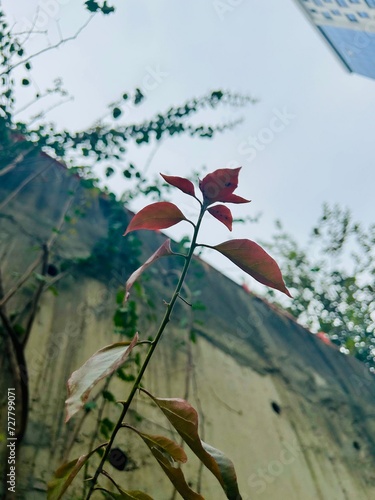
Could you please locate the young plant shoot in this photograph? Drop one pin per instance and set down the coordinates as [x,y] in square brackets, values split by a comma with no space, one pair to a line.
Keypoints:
[216,190]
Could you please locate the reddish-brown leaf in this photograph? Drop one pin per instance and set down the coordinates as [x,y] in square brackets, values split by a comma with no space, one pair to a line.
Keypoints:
[184,419]
[101,364]
[162,251]
[159,215]
[251,258]
[168,453]
[223,214]
[181,183]
[219,186]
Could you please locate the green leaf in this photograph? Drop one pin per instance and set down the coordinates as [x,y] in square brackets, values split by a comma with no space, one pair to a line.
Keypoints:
[103,363]
[116,112]
[107,9]
[109,396]
[184,419]
[138,98]
[40,277]
[65,474]
[92,6]
[167,453]
[90,405]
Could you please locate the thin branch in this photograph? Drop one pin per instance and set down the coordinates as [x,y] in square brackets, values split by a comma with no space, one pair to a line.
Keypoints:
[45,112]
[20,370]
[47,93]
[28,34]
[26,275]
[96,431]
[15,162]
[50,47]
[151,156]
[183,300]
[29,179]
[36,298]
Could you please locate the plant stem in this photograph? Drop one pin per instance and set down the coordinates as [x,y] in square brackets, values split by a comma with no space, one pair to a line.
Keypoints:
[150,353]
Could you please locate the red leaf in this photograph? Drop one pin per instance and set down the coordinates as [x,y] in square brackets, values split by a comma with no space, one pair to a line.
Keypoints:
[162,251]
[223,214]
[251,258]
[184,419]
[219,186]
[158,215]
[181,183]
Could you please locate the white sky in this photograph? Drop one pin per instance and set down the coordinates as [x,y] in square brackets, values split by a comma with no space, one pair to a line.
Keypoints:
[265,48]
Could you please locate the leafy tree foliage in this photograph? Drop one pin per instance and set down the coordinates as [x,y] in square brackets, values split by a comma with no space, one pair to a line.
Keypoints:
[332,280]
[104,144]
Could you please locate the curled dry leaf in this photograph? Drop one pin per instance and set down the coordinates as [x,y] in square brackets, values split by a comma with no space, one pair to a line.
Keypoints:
[223,214]
[251,258]
[181,183]
[219,186]
[159,215]
[184,419]
[162,251]
[101,364]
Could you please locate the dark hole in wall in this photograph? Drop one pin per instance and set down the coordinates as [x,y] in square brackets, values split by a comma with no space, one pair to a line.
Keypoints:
[276,407]
[118,459]
[52,270]
[356,445]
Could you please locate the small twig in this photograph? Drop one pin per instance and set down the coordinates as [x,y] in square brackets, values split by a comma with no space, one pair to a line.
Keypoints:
[29,179]
[183,300]
[15,162]
[38,260]
[36,298]
[20,370]
[45,112]
[105,473]
[50,47]
[95,433]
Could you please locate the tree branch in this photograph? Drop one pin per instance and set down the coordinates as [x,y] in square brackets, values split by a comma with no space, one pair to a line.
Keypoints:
[15,162]
[46,49]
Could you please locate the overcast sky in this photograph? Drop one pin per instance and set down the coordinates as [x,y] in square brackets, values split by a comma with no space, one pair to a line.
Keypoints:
[313,127]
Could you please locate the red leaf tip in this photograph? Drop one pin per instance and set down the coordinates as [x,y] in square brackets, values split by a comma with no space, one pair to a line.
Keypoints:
[181,183]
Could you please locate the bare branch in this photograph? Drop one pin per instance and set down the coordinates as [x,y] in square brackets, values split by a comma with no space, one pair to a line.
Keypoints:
[14,193]
[15,162]
[51,241]
[45,112]
[36,298]
[18,363]
[47,49]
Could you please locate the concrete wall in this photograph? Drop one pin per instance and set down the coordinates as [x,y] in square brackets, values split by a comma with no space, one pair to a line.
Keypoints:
[295,415]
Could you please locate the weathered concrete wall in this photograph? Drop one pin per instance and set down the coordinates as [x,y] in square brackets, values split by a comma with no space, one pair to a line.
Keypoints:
[294,414]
